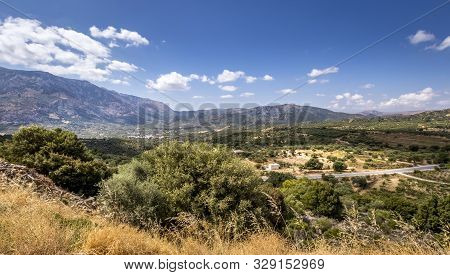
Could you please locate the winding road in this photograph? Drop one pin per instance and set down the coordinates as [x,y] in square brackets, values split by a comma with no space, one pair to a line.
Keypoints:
[375,172]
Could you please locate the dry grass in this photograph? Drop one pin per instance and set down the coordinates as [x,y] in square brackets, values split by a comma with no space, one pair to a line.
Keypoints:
[32,225]
[29,225]
[124,240]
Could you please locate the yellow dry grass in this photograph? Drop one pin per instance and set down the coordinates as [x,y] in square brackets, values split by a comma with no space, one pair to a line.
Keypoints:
[32,225]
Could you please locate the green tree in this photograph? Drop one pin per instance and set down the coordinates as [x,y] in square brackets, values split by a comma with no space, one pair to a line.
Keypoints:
[433,214]
[314,164]
[360,182]
[208,182]
[58,154]
[317,196]
[276,179]
[339,166]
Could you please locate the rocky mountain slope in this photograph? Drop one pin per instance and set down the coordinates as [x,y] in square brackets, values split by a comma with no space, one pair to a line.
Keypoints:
[39,97]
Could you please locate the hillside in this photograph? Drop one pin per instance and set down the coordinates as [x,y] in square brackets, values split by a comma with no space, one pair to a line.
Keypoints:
[39,97]
[38,218]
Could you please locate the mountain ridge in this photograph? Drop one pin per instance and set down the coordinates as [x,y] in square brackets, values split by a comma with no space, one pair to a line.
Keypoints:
[28,97]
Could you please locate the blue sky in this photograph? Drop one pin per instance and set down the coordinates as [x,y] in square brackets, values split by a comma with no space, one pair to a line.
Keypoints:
[230,53]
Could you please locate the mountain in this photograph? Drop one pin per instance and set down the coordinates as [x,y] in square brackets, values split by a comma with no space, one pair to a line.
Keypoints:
[262,115]
[39,97]
[372,113]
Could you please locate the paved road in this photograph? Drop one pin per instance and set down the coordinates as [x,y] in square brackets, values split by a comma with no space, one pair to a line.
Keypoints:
[375,172]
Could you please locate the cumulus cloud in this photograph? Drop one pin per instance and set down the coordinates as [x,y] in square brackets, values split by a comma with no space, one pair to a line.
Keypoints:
[420,36]
[197,97]
[345,100]
[120,81]
[131,37]
[267,77]
[121,66]
[226,96]
[228,88]
[206,79]
[57,50]
[287,91]
[316,72]
[416,99]
[247,94]
[250,79]
[368,86]
[194,76]
[319,94]
[229,76]
[170,82]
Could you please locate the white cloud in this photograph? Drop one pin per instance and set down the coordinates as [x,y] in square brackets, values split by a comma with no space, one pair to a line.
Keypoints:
[206,79]
[113,44]
[121,66]
[170,82]
[319,94]
[194,76]
[250,79]
[368,86]
[197,97]
[267,77]
[287,91]
[443,45]
[420,36]
[316,72]
[345,100]
[229,76]
[228,88]
[226,96]
[314,81]
[131,37]
[120,81]
[247,94]
[416,99]
[60,51]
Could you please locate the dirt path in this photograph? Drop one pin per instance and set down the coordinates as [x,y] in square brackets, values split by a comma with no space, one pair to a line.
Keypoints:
[427,180]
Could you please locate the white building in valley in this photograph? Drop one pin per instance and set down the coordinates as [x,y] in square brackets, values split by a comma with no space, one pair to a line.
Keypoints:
[272,166]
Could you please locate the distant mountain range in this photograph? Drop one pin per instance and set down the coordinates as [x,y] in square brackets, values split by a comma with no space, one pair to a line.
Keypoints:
[38,97]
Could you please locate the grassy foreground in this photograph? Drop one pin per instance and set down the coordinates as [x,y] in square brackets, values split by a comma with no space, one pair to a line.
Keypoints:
[31,224]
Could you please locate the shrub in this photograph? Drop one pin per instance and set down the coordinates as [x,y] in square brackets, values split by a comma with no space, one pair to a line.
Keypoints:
[276,179]
[313,164]
[414,147]
[360,182]
[339,166]
[197,179]
[58,154]
[329,178]
[433,214]
[316,196]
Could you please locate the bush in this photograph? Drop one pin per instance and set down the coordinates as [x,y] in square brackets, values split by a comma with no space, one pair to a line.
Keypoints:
[58,154]
[316,196]
[433,214]
[329,178]
[313,164]
[276,179]
[360,182]
[209,183]
[339,166]
[414,147]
